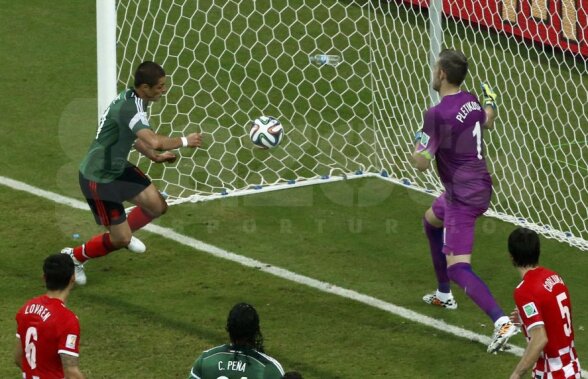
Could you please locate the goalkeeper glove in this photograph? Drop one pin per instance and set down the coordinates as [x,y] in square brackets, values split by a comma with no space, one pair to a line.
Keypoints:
[488,96]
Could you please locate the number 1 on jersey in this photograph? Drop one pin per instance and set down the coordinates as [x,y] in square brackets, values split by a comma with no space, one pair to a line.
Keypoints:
[478,134]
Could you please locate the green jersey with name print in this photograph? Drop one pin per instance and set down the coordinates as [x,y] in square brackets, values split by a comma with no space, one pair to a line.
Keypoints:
[235,362]
[107,156]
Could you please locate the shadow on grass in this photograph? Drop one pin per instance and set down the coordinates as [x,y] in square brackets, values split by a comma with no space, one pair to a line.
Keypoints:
[215,337]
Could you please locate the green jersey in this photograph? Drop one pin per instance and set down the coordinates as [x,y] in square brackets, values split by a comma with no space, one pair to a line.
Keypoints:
[235,362]
[108,153]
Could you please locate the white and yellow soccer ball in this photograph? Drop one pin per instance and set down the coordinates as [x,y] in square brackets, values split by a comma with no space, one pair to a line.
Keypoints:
[266,132]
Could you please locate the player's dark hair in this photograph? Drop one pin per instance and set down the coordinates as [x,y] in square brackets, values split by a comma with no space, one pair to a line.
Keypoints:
[524,247]
[455,65]
[292,375]
[58,270]
[243,326]
[148,73]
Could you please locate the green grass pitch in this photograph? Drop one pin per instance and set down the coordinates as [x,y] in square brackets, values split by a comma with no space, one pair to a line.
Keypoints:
[150,316]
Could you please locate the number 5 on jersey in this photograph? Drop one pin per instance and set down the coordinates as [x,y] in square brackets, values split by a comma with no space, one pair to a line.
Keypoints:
[565,313]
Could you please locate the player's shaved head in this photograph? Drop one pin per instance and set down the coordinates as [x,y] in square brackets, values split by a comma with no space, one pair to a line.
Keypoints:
[524,247]
[243,326]
[148,73]
[58,270]
[455,65]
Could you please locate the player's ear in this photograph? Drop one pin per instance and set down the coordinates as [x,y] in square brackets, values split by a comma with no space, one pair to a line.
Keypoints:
[441,74]
[144,87]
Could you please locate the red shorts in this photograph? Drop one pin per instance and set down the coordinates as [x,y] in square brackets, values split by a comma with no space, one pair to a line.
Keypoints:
[106,199]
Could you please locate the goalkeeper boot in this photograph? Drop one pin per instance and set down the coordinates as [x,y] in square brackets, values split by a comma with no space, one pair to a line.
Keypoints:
[439,299]
[136,246]
[78,266]
[503,330]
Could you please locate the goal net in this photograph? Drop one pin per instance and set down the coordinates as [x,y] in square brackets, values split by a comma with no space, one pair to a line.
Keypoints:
[230,62]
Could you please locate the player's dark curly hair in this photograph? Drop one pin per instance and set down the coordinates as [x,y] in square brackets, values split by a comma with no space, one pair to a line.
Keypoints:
[243,326]
[524,247]
[148,73]
[455,65]
[58,270]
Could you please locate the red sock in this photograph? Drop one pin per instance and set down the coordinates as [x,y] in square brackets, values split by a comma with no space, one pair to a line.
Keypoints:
[138,218]
[97,246]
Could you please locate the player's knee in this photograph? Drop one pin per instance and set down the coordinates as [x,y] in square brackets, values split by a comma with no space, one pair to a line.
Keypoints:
[159,210]
[156,209]
[452,272]
[432,219]
[120,241]
[458,269]
[163,209]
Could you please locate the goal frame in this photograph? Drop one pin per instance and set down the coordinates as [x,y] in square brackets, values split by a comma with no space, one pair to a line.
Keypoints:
[106,23]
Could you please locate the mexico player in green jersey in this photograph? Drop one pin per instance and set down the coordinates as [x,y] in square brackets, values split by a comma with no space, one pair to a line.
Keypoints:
[243,358]
[108,179]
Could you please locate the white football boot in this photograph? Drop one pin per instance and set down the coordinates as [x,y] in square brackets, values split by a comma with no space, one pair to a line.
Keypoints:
[503,330]
[434,299]
[79,267]
[136,246]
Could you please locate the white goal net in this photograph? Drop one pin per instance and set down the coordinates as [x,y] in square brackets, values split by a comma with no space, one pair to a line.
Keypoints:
[229,62]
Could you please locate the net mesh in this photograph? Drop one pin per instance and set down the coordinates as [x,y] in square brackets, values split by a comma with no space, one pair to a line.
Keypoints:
[230,62]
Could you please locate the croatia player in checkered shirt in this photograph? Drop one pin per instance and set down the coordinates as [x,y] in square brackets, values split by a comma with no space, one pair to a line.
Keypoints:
[545,311]
[452,134]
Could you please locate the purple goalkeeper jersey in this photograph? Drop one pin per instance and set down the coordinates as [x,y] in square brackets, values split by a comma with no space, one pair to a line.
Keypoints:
[452,133]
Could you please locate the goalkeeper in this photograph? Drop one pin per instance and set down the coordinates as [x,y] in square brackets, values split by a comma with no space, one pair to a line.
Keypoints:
[107,179]
[452,134]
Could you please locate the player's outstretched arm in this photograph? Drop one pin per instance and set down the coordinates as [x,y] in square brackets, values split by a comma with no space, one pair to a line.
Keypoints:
[155,141]
[489,103]
[166,156]
[71,368]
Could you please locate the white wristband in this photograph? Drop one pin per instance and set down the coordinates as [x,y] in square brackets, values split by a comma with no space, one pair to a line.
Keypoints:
[184,141]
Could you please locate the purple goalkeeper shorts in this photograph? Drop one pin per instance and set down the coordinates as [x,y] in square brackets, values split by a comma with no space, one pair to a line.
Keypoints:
[459,221]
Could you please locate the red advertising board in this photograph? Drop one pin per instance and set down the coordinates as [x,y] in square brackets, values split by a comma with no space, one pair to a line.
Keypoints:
[558,23]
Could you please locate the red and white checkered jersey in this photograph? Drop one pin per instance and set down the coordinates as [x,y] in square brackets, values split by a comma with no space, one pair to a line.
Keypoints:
[542,298]
[46,329]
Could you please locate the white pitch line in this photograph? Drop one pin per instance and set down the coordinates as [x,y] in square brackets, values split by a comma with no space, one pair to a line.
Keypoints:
[277,271]
[319,285]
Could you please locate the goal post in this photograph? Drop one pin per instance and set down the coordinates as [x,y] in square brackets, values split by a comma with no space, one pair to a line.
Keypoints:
[231,62]
[435,40]
[106,52]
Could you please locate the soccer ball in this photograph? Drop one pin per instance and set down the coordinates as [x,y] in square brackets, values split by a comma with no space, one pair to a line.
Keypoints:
[266,132]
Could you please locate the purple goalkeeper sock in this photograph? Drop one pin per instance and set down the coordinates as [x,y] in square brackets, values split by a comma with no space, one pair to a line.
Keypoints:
[475,288]
[435,237]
